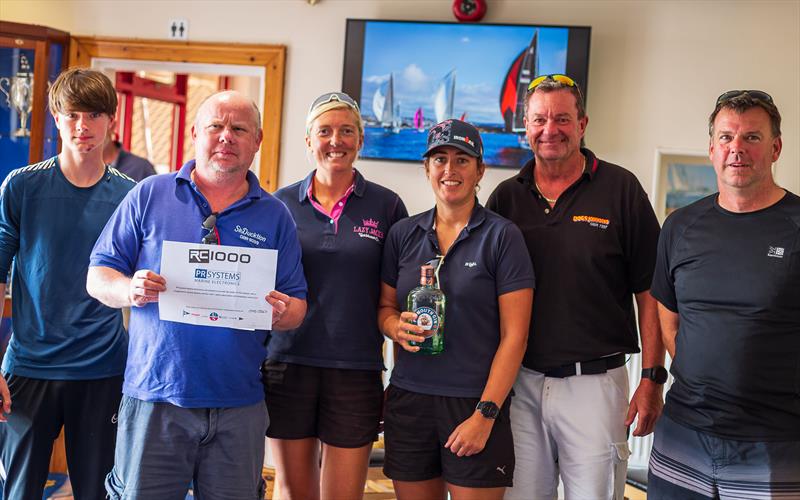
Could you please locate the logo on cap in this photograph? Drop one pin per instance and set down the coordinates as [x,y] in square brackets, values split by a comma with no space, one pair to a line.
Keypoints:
[464,139]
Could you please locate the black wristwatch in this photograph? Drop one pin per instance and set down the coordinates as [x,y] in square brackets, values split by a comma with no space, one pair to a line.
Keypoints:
[657,374]
[488,409]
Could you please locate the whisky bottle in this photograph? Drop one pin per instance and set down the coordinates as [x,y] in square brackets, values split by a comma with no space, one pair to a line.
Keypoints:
[428,302]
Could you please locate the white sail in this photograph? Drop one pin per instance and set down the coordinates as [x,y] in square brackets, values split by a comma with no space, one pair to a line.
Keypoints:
[378,103]
[679,178]
[444,96]
[383,103]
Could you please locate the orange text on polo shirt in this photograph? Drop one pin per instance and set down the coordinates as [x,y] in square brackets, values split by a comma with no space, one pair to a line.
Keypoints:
[591,220]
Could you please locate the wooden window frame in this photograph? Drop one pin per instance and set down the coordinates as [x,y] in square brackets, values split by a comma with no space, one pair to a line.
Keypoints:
[272,58]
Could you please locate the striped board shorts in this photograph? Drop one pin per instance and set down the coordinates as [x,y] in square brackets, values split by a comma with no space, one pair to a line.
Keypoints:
[686,464]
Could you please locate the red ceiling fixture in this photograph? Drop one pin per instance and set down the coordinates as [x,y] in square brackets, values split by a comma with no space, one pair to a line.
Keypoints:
[469,11]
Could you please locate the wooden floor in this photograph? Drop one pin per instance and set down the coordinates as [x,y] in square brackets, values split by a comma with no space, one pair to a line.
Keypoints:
[378,487]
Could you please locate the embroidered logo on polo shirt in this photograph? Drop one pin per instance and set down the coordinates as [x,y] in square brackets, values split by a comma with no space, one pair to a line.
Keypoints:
[776,252]
[470,264]
[250,236]
[593,221]
[369,228]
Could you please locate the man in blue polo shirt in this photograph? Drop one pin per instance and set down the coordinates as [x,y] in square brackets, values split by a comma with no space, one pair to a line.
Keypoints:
[193,406]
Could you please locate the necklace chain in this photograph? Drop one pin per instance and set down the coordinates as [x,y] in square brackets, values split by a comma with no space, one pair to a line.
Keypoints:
[552,201]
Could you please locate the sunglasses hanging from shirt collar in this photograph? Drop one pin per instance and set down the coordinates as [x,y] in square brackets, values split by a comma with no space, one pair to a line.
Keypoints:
[210,225]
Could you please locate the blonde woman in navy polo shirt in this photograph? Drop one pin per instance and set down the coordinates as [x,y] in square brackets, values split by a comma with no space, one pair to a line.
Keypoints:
[447,425]
[323,380]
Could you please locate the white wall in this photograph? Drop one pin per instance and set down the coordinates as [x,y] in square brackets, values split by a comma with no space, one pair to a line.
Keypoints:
[655,66]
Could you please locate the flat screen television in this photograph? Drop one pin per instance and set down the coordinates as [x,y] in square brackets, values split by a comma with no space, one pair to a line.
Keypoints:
[409,75]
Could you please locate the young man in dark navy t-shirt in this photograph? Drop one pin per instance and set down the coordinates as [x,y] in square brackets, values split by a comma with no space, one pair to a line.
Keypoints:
[67,352]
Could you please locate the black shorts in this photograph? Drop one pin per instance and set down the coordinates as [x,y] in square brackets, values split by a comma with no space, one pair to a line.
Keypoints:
[417,427]
[87,409]
[340,407]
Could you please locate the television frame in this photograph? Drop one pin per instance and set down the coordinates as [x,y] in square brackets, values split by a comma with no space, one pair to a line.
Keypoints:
[578,46]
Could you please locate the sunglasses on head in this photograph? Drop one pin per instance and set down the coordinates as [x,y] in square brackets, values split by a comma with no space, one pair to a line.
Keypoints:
[334,96]
[754,94]
[210,225]
[569,82]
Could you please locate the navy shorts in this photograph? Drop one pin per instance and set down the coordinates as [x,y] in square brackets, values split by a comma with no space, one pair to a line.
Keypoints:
[690,465]
[340,407]
[416,429]
[87,409]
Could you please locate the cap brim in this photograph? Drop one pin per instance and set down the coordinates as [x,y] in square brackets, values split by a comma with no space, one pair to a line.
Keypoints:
[457,146]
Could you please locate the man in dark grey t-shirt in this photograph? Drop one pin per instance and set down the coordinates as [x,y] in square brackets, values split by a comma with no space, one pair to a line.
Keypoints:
[135,167]
[727,281]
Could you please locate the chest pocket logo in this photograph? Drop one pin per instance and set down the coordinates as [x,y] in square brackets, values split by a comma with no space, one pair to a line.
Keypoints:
[776,252]
[369,228]
[592,221]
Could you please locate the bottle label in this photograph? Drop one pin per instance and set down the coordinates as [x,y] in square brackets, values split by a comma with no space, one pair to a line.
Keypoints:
[428,319]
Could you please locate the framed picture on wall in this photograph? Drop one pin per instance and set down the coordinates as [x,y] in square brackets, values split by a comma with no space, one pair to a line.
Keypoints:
[681,177]
[407,76]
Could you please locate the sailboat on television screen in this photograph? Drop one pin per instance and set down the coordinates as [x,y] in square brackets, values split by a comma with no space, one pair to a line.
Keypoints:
[419,120]
[384,107]
[515,87]
[444,97]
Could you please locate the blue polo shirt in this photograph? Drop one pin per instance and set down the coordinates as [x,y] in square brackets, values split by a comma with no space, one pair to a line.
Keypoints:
[342,262]
[488,259]
[188,365]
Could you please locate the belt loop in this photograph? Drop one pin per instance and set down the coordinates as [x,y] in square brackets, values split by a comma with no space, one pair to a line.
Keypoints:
[577,368]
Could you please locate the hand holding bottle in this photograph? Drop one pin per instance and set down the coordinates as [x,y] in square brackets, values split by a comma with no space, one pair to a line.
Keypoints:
[405,330]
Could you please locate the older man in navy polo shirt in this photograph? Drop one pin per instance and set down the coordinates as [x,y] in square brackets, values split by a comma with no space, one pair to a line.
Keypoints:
[592,236]
[193,406]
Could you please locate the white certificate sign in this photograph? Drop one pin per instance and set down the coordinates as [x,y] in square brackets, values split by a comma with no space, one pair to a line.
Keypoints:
[217,285]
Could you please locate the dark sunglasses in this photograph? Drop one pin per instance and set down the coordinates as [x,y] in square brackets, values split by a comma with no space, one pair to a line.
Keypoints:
[569,82]
[334,96]
[755,94]
[210,225]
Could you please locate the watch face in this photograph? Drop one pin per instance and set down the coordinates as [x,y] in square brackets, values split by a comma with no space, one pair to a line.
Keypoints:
[657,374]
[660,374]
[488,409]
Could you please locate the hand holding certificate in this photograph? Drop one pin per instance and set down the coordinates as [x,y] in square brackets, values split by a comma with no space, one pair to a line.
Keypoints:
[218,285]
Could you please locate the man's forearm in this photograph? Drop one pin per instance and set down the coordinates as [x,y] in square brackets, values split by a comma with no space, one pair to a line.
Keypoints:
[669,328]
[109,286]
[650,330]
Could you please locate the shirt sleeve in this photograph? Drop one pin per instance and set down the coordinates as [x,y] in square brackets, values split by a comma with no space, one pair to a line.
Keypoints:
[391,253]
[10,200]
[641,239]
[492,203]
[514,267]
[663,289]
[121,240]
[399,211]
[290,278]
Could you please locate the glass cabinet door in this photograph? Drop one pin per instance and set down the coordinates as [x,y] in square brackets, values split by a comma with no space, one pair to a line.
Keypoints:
[31,57]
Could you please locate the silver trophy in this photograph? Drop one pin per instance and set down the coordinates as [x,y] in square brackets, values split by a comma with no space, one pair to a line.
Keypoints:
[20,95]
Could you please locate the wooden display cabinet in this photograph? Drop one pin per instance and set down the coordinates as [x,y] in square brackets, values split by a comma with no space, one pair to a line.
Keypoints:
[31,57]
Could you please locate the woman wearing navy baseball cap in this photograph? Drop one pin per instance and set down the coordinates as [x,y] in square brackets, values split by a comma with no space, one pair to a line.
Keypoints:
[446,416]
[323,379]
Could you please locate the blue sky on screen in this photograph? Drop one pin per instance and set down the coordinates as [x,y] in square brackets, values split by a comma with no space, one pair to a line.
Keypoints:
[421,54]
